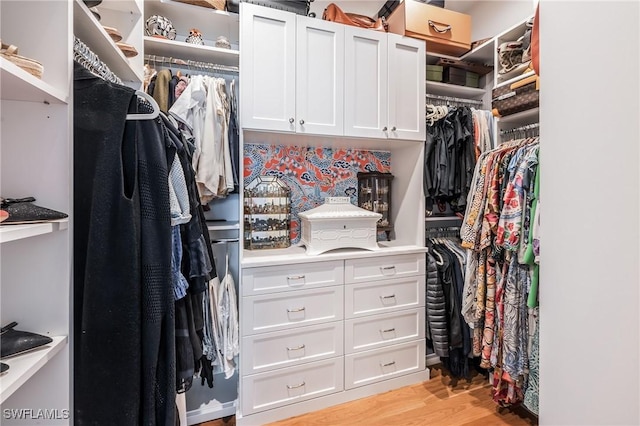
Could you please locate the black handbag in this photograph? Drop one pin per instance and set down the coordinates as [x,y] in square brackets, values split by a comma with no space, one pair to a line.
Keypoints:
[15,342]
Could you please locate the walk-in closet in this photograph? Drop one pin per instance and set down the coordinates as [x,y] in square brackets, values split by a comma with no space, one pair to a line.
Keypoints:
[221,212]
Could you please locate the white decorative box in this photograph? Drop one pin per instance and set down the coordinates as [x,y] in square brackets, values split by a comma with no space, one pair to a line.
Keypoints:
[338,224]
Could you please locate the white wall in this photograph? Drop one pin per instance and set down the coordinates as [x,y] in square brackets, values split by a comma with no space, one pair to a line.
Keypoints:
[589,285]
[490,17]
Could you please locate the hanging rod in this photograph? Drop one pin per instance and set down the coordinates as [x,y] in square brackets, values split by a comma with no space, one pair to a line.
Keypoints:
[88,59]
[453,99]
[520,129]
[190,64]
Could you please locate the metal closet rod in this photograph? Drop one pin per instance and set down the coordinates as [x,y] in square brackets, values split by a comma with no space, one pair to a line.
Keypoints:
[190,64]
[452,99]
[520,129]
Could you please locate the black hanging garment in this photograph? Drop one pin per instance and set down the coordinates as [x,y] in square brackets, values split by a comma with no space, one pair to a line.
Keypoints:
[124,353]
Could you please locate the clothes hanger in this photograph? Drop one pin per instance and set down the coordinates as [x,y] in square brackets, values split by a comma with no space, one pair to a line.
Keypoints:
[154,104]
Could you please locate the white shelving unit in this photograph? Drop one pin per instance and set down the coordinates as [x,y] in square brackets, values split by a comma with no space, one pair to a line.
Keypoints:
[182,50]
[211,23]
[35,161]
[126,17]
[23,367]
[223,225]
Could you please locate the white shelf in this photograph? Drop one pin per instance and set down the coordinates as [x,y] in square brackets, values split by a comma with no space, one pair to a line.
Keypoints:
[187,51]
[520,118]
[19,85]
[446,89]
[222,225]
[22,367]
[18,232]
[514,75]
[482,54]
[211,23]
[87,28]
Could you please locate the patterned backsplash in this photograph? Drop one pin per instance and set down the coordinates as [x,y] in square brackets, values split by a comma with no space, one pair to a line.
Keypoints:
[312,173]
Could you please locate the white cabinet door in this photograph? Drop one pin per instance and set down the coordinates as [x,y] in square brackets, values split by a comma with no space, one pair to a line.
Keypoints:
[319,77]
[366,79]
[407,74]
[268,45]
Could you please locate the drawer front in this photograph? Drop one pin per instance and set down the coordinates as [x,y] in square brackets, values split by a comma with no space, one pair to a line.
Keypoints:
[382,268]
[288,385]
[279,311]
[264,352]
[383,330]
[384,296]
[447,25]
[272,279]
[368,367]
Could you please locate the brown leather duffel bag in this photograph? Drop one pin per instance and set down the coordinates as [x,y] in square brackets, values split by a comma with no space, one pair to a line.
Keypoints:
[335,14]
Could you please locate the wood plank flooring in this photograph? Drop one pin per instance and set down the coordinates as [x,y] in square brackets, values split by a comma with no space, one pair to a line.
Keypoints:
[442,400]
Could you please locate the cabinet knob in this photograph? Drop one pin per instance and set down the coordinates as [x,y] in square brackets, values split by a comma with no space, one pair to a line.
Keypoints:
[393,129]
[301,122]
[291,120]
[384,129]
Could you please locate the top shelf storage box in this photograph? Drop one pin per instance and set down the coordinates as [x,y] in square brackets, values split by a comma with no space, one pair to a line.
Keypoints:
[446,32]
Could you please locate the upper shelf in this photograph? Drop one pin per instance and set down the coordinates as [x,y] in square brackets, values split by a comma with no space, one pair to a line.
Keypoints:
[182,50]
[446,89]
[482,54]
[211,23]
[87,28]
[19,85]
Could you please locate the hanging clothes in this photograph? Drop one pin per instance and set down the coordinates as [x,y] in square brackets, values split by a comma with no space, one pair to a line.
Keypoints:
[123,298]
[449,160]
[497,231]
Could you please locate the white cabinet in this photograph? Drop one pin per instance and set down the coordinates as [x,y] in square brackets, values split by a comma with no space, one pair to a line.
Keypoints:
[319,77]
[268,64]
[326,327]
[311,76]
[292,72]
[407,70]
[366,83]
[384,85]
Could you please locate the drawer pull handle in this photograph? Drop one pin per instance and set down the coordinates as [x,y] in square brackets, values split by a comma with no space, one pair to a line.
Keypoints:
[296,310]
[296,386]
[391,296]
[388,364]
[295,277]
[296,348]
[439,30]
[388,330]
[388,268]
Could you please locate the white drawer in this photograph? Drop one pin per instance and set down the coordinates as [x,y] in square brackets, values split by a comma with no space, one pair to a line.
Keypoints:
[384,296]
[383,330]
[264,352]
[272,279]
[382,268]
[279,311]
[288,385]
[364,368]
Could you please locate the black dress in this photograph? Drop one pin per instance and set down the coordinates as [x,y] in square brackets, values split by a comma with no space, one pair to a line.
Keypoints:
[124,353]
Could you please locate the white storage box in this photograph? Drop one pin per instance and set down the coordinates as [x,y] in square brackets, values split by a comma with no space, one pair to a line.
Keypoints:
[338,224]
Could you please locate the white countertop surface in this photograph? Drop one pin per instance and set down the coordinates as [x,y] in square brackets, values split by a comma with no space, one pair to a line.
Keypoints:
[297,254]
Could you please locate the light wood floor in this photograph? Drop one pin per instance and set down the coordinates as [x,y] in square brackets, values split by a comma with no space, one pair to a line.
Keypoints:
[439,401]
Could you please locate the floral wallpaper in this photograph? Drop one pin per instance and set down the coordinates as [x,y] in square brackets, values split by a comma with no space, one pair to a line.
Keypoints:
[312,173]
